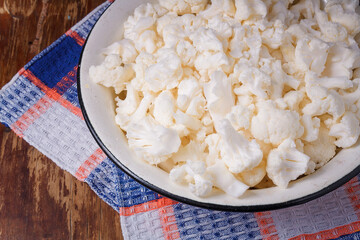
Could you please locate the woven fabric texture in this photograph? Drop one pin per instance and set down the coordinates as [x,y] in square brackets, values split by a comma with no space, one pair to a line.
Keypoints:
[40,104]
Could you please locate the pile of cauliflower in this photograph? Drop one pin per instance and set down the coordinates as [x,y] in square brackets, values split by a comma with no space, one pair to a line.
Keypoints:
[232,94]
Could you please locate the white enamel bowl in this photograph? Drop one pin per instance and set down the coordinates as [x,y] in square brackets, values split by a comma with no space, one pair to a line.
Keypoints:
[98,107]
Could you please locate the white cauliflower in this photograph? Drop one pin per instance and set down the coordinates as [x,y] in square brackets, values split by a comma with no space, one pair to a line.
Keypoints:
[208,62]
[275,125]
[193,151]
[225,181]
[311,128]
[344,13]
[253,80]
[347,131]
[253,176]
[323,100]
[311,55]
[111,73]
[237,152]
[193,173]
[125,48]
[205,39]
[286,163]
[142,20]
[240,116]
[184,6]
[342,60]
[293,99]
[219,7]
[164,108]
[166,73]
[322,149]
[218,95]
[188,121]
[246,9]
[125,108]
[152,142]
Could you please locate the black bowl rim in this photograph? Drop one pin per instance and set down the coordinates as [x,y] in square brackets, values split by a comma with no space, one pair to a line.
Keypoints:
[212,206]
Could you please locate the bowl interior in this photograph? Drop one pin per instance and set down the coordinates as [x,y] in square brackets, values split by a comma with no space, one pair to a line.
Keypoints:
[98,106]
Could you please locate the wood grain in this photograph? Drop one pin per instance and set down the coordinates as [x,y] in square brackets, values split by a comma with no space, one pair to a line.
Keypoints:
[38,200]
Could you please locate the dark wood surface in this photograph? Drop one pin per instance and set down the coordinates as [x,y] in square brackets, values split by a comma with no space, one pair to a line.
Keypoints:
[38,200]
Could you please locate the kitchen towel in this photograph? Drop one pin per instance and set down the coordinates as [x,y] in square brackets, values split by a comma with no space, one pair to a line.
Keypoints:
[41,105]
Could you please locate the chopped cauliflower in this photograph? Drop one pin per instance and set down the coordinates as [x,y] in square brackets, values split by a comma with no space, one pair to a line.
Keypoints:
[273,125]
[237,152]
[232,94]
[224,180]
[322,149]
[151,141]
[194,173]
[286,163]
[347,131]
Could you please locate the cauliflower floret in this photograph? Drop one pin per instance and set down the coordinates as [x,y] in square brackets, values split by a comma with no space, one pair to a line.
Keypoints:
[206,40]
[280,79]
[193,151]
[125,108]
[342,60]
[279,12]
[274,35]
[219,7]
[322,100]
[166,73]
[240,116]
[172,34]
[187,89]
[253,79]
[322,149]
[225,181]
[142,20]
[152,142]
[237,43]
[148,41]
[142,62]
[253,176]
[311,55]
[207,63]
[237,152]
[222,29]
[219,96]
[344,13]
[188,121]
[305,8]
[184,6]
[111,73]
[347,131]
[286,163]
[331,31]
[197,105]
[213,146]
[332,103]
[275,125]
[193,173]
[164,108]
[186,52]
[125,48]
[311,128]
[246,9]
[293,99]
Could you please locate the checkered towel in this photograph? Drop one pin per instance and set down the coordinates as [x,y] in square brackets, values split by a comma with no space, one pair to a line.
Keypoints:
[41,105]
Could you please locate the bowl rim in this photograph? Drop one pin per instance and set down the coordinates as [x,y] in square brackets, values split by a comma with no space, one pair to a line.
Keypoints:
[211,206]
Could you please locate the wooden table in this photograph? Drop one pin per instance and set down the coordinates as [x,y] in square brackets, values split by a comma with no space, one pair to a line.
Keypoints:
[38,200]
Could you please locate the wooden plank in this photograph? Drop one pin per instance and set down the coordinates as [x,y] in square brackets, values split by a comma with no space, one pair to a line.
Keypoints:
[38,200]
